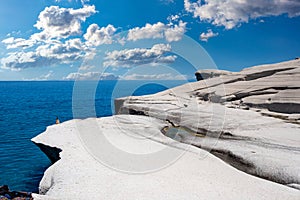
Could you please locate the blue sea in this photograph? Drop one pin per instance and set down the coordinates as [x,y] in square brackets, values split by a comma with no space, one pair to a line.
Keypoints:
[27,108]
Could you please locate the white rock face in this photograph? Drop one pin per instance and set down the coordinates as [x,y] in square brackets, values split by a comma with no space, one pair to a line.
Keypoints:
[249,119]
[195,174]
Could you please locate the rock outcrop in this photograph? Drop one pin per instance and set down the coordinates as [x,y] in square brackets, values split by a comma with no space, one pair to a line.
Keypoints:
[250,119]
[174,170]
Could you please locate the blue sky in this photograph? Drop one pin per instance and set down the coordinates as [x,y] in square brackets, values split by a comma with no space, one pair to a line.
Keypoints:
[149,39]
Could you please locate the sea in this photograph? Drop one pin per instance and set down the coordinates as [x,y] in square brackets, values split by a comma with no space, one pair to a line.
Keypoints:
[28,107]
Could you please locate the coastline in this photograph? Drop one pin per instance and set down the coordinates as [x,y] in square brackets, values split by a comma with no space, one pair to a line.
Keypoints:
[79,175]
[236,134]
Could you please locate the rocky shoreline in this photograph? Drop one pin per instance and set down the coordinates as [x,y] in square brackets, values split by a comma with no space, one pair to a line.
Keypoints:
[249,119]
[257,108]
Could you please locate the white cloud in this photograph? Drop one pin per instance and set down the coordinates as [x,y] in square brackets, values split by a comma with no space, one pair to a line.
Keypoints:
[71,50]
[139,56]
[158,31]
[168,76]
[92,76]
[44,77]
[46,55]
[231,13]
[22,60]
[86,67]
[56,22]
[96,36]
[176,32]
[9,40]
[51,45]
[173,18]
[209,34]
[12,43]
[148,31]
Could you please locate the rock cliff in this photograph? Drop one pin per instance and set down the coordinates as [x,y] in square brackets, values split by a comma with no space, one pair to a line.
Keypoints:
[250,119]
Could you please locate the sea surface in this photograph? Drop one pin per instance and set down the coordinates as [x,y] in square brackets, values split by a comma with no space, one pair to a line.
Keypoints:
[27,108]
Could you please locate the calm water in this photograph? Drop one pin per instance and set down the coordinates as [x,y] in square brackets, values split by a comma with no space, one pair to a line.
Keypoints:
[27,108]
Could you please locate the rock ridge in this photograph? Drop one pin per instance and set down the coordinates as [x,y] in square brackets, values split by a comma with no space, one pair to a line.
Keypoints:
[258,109]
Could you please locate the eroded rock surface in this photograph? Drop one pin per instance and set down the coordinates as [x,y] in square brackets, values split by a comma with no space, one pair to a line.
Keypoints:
[250,119]
[190,173]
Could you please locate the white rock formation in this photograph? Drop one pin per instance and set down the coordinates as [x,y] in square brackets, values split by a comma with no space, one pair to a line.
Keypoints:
[194,174]
[248,119]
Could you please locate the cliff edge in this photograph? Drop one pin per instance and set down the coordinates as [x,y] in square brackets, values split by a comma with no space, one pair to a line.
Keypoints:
[173,144]
[250,119]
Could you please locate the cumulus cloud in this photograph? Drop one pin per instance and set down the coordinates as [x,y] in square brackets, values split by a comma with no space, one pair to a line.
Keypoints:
[209,34]
[231,13]
[96,36]
[148,31]
[52,45]
[12,43]
[168,76]
[139,56]
[91,76]
[46,55]
[56,22]
[22,60]
[159,30]
[71,50]
[176,32]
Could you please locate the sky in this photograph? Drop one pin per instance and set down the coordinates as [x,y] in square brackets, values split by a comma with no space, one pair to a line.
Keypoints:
[148,39]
